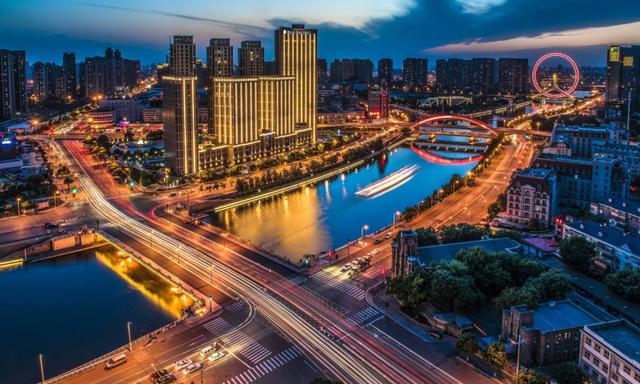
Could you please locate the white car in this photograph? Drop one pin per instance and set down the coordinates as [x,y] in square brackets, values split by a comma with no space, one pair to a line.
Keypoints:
[345,267]
[192,368]
[183,364]
[217,356]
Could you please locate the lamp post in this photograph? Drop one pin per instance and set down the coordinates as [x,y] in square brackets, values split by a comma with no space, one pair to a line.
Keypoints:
[18,201]
[362,229]
[396,214]
[55,199]
[129,333]
[41,367]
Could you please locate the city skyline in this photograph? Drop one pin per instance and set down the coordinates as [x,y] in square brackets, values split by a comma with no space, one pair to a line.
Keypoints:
[353,29]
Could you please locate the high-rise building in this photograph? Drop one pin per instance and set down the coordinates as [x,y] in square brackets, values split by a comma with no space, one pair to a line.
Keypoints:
[103,76]
[513,76]
[385,71]
[49,82]
[180,106]
[323,74]
[297,55]
[378,102]
[220,57]
[250,59]
[623,69]
[414,72]
[341,70]
[13,83]
[483,75]
[69,65]
[352,70]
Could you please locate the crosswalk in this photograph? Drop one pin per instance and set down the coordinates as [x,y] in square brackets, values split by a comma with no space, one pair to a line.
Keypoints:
[217,326]
[337,283]
[267,366]
[235,307]
[364,316]
[247,347]
[299,280]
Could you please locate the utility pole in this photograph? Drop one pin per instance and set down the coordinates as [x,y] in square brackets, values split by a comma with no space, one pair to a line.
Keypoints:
[41,368]
[129,332]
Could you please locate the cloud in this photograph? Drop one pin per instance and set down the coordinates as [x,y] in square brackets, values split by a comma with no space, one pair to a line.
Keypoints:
[478,6]
[628,33]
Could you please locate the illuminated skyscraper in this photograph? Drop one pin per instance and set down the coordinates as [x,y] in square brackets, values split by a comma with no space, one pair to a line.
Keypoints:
[296,55]
[220,58]
[623,67]
[251,59]
[180,101]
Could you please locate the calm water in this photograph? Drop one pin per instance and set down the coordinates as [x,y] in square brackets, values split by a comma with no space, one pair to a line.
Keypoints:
[71,310]
[329,214]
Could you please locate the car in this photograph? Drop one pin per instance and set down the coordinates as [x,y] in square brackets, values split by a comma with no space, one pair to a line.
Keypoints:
[168,378]
[157,374]
[50,226]
[377,241]
[204,352]
[375,251]
[217,355]
[179,365]
[345,267]
[189,369]
[115,361]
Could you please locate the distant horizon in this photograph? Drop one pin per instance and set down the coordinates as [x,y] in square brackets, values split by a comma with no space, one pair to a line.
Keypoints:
[397,29]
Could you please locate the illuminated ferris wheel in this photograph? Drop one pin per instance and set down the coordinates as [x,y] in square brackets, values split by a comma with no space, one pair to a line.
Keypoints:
[555,84]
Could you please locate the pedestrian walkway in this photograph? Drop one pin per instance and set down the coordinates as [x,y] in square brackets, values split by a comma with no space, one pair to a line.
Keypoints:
[336,282]
[235,307]
[299,280]
[266,367]
[217,326]
[364,316]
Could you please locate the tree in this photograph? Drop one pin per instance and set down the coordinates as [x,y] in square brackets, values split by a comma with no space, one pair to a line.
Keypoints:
[460,232]
[552,285]
[466,344]
[527,295]
[426,236]
[485,269]
[529,376]
[625,283]
[569,374]
[452,289]
[577,252]
[496,356]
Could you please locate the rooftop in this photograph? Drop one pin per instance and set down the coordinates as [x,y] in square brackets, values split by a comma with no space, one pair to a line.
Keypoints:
[559,315]
[535,172]
[622,336]
[446,252]
[628,206]
[609,235]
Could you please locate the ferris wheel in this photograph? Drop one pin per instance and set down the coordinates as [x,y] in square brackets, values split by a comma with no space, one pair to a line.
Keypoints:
[555,84]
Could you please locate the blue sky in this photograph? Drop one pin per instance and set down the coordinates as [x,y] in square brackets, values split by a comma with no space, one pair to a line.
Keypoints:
[347,28]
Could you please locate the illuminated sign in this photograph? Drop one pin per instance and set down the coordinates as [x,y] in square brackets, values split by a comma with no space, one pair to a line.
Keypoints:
[614,54]
[7,141]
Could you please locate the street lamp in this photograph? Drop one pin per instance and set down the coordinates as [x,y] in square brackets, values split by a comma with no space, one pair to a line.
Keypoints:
[396,214]
[55,199]
[18,201]
[364,228]
[129,332]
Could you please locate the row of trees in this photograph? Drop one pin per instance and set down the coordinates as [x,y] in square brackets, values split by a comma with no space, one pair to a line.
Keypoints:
[475,277]
[454,233]
[625,283]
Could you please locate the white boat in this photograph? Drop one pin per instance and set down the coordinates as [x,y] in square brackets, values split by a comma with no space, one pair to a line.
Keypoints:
[389,182]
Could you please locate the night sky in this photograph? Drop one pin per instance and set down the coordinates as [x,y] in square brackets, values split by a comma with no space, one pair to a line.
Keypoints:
[372,29]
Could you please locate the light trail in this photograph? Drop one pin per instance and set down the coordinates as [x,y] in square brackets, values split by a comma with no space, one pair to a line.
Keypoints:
[389,182]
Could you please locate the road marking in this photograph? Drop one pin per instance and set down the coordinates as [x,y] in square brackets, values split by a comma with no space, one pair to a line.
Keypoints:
[335,282]
[363,316]
[217,326]
[266,367]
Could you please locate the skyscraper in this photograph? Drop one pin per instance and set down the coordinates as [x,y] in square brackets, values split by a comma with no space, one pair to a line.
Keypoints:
[414,72]
[513,76]
[179,104]
[250,59]
[220,57]
[385,71]
[20,80]
[483,75]
[623,70]
[69,65]
[323,74]
[104,74]
[296,55]
[7,89]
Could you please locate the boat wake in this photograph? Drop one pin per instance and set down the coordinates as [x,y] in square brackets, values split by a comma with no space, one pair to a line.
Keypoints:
[389,182]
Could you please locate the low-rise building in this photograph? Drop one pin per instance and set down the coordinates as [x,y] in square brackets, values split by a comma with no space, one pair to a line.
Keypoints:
[616,249]
[532,195]
[610,352]
[624,214]
[548,334]
[152,115]
[101,118]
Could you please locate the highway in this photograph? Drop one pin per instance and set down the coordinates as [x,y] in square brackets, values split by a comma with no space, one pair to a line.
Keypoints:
[353,354]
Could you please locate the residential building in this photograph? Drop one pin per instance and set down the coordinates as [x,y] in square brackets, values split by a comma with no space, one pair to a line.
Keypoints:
[609,352]
[453,75]
[323,72]
[128,109]
[532,195]
[385,72]
[71,78]
[621,213]
[179,104]
[104,75]
[483,75]
[548,334]
[628,154]
[616,249]
[296,50]
[220,58]
[13,83]
[352,70]
[582,139]
[414,72]
[378,102]
[20,81]
[513,76]
[250,59]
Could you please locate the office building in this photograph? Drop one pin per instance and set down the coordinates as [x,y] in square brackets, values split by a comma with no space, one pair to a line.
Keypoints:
[619,213]
[104,75]
[609,352]
[623,75]
[297,55]
[616,249]
[13,83]
[250,59]
[385,72]
[513,76]
[71,80]
[532,195]
[548,334]
[179,104]
[220,58]
[378,102]
[414,72]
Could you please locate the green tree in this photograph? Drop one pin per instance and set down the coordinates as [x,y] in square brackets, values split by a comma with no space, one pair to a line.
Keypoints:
[460,232]
[569,374]
[486,270]
[577,252]
[529,376]
[625,283]
[527,295]
[496,356]
[466,344]
[552,285]
[427,236]
[452,289]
